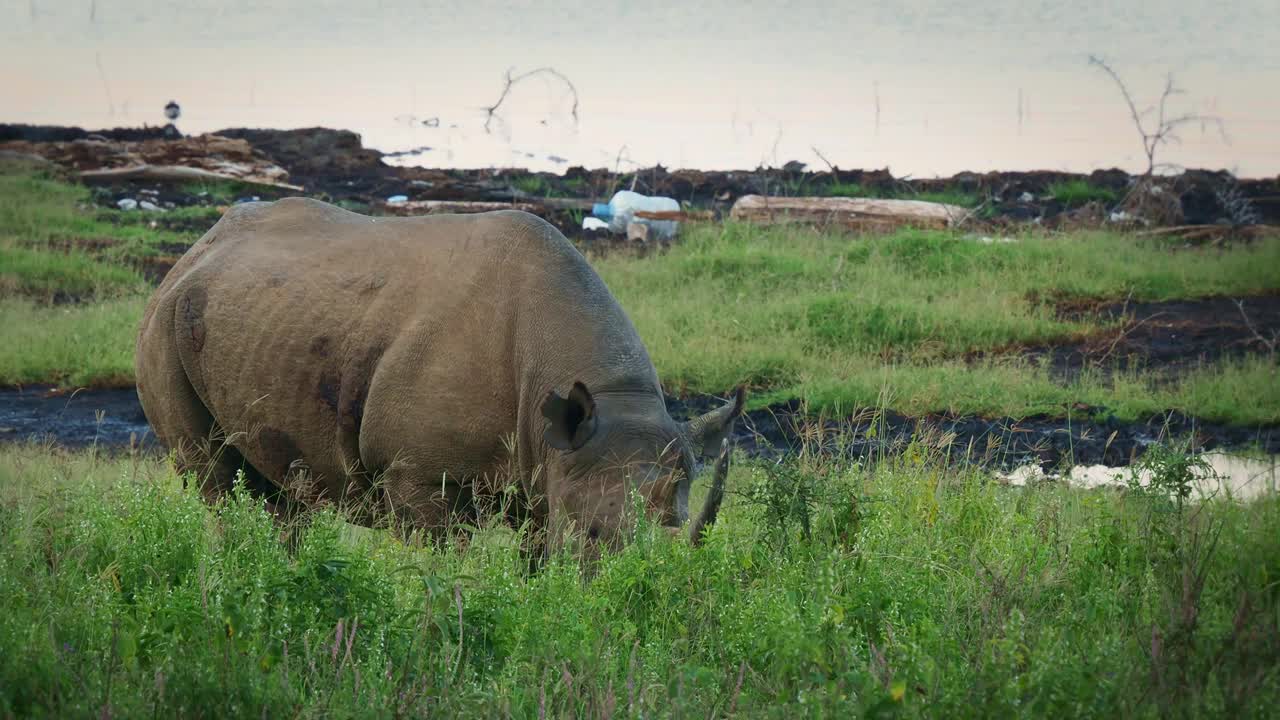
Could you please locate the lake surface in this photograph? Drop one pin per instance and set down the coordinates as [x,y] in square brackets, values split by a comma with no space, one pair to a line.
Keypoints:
[924,87]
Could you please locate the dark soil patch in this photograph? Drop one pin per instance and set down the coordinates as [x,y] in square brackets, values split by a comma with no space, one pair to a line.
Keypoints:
[152,267]
[71,419]
[155,267]
[1170,337]
[91,245]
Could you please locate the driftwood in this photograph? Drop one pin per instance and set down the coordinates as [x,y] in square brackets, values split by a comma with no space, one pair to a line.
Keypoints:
[852,213]
[1211,232]
[177,173]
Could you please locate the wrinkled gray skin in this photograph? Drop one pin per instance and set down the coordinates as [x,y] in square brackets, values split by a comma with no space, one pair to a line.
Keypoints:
[390,363]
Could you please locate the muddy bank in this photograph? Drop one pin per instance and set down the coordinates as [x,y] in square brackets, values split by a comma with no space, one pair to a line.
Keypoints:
[1169,337]
[999,443]
[113,419]
[334,164]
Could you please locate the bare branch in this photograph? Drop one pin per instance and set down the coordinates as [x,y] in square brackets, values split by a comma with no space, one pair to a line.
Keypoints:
[1271,344]
[511,80]
[1124,90]
[1165,130]
[824,159]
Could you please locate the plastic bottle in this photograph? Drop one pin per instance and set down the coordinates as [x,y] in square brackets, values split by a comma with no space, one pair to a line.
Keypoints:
[620,211]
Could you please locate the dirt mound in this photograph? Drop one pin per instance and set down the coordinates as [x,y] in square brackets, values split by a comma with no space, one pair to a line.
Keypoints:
[311,153]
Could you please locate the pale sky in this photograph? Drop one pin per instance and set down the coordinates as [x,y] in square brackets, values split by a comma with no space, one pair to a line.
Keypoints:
[721,85]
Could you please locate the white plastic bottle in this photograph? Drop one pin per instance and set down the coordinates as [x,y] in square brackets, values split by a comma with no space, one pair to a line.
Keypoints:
[621,210]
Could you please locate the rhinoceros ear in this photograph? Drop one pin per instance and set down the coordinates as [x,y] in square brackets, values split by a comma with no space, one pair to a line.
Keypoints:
[708,431]
[572,419]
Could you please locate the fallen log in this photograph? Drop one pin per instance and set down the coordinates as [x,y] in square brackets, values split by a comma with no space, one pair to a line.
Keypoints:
[177,173]
[862,214]
[1211,232]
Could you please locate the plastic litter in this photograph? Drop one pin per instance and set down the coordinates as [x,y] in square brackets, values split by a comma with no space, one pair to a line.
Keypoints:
[621,211]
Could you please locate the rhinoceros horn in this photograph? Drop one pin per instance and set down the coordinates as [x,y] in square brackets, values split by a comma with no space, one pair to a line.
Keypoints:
[707,431]
[715,496]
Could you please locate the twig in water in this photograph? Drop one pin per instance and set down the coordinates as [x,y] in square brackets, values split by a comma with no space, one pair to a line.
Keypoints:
[511,80]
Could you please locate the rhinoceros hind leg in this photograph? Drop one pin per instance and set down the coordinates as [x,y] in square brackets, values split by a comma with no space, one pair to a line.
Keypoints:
[183,423]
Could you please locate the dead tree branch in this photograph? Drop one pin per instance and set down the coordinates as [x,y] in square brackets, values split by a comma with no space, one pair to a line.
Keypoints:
[1269,344]
[511,80]
[1165,128]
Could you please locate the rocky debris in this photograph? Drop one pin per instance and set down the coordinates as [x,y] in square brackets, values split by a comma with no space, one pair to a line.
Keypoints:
[315,156]
[334,165]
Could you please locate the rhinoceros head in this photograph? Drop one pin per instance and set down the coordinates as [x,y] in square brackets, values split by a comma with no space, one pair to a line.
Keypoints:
[604,451]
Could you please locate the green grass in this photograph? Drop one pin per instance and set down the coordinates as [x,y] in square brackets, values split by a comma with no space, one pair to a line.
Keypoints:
[223,192]
[840,321]
[49,275]
[532,185]
[69,345]
[1074,193]
[840,188]
[918,591]
[41,212]
[188,223]
[846,321]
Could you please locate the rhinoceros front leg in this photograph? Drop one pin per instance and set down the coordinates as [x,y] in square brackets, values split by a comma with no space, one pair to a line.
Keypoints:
[433,506]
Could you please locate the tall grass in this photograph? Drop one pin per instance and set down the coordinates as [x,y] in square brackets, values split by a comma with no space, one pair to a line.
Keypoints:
[839,320]
[51,275]
[826,590]
[38,210]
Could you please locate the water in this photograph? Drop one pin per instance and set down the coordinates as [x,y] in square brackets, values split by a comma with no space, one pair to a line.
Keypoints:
[925,87]
[1240,477]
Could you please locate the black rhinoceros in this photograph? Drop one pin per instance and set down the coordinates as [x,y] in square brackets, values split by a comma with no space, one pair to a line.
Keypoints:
[331,355]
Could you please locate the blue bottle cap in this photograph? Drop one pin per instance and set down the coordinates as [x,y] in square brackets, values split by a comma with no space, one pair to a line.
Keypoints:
[602,210]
